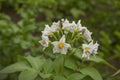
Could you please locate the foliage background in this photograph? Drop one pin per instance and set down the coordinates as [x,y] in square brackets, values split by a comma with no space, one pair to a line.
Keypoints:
[21,22]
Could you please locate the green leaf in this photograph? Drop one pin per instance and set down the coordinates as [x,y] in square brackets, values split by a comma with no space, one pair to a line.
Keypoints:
[71,63]
[78,54]
[99,59]
[76,76]
[67,72]
[30,74]
[38,78]
[36,62]
[44,76]
[48,66]
[92,72]
[96,59]
[118,72]
[20,66]
[59,78]
[58,64]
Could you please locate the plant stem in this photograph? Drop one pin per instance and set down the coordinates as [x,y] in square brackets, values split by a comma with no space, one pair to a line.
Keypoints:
[54,37]
[61,31]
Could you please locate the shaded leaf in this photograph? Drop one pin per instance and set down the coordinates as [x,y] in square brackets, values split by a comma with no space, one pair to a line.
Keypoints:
[92,72]
[67,72]
[44,76]
[48,66]
[20,66]
[96,59]
[59,78]
[58,64]
[30,74]
[76,76]
[71,63]
[99,59]
[36,62]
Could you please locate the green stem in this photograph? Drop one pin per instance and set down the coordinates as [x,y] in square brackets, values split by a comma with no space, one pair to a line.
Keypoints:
[72,35]
[62,68]
[77,37]
[59,34]
[80,47]
[61,31]
[54,37]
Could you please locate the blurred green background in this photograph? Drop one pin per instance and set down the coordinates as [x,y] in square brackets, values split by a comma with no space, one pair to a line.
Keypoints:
[21,22]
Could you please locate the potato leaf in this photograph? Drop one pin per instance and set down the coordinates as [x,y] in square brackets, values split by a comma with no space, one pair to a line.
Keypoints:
[59,78]
[35,62]
[76,76]
[92,72]
[30,74]
[19,66]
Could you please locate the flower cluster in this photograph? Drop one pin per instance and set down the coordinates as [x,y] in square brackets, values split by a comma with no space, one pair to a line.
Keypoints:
[57,33]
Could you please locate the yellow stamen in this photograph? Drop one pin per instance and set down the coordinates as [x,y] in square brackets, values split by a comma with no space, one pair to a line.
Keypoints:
[44,42]
[86,50]
[61,45]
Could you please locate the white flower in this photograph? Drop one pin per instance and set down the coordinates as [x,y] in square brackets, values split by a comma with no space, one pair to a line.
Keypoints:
[73,27]
[55,26]
[79,23]
[79,26]
[45,41]
[60,46]
[89,49]
[47,31]
[87,34]
[65,24]
[95,48]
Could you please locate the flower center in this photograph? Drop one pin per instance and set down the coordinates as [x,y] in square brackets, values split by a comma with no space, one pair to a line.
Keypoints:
[86,50]
[44,42]
[61,45]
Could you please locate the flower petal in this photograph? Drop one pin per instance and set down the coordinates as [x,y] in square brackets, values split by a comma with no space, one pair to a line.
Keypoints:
[62,39]
[87,35]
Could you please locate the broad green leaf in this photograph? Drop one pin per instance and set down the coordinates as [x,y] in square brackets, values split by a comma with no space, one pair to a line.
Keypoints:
[76,76]
[92,72]
[98,60]
[45,76]
[30,74]
[35,62]
[38,78]
[118,72]
[67,72]
[58,64]
[20,66]
[78,54]
[59,78]
[87,78]
[48,66]
[71,63]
